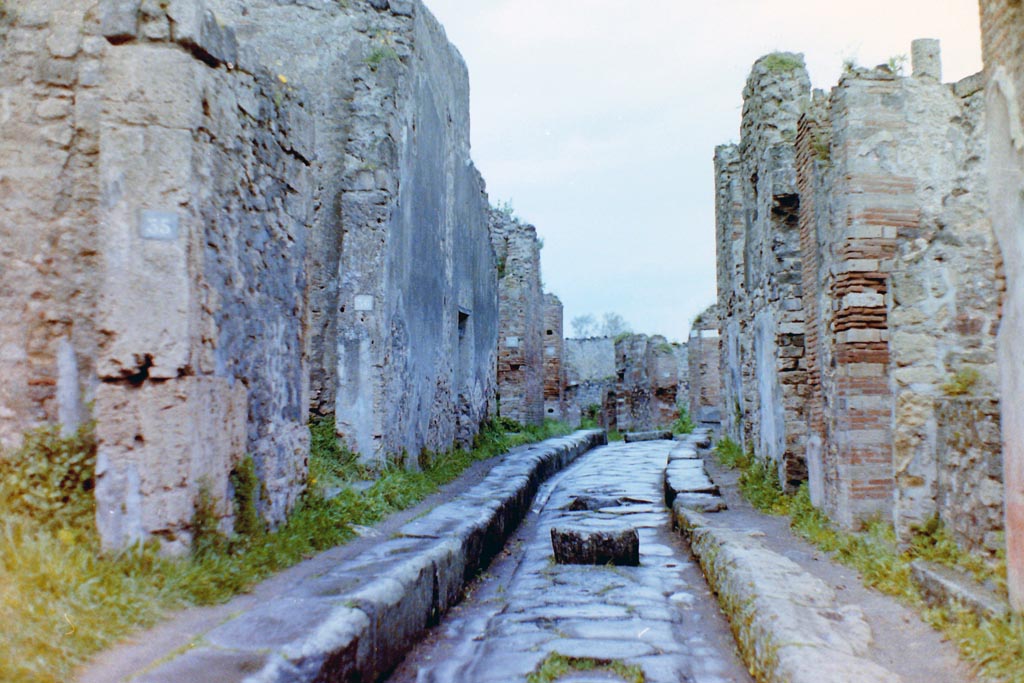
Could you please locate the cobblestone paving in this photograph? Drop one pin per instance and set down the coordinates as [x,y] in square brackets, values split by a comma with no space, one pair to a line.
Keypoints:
[659,615]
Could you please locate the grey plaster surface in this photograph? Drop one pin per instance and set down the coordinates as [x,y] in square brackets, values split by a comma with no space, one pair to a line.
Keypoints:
[658,615]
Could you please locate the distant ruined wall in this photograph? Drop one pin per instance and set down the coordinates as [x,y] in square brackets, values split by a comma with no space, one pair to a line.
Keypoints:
[590,380]
[732,301]
[554,380]
[203,249]
[647,382]
[521,319]
[704,360]
[1002,27]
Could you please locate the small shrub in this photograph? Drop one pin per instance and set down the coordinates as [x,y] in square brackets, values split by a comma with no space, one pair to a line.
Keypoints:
[683,424]
[246,486]
[897,64]
[380,54]
[780,62]
[50,478]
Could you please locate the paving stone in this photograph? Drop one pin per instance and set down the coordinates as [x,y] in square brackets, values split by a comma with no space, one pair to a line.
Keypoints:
[596,545]
[632,437]
[942,585]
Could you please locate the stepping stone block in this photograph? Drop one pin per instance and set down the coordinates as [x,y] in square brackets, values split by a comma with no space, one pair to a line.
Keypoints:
[596,545]
[630,437]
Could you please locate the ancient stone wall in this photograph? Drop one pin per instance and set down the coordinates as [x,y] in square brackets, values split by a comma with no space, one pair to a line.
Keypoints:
[704,358]
[647,382]
[894,266]
[521,319]
[554,381]
[1002,27]
[209,239]
[969,498]
[590,380]
[732,301]
[764,329]
[403,355]
[182,317]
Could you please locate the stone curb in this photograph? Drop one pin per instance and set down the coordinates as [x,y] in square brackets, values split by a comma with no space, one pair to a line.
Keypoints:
[357,621]
[789,625]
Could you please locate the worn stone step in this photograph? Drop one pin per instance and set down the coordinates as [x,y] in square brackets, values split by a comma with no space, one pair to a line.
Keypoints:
[942,585]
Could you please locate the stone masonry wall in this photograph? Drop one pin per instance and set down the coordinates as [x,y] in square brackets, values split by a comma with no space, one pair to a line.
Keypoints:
[970,472]
[704,360]
[404,357]
[731,231]
[1002,27]
[186,162]
[210,239]
[647,386]
[762,322]
[521,320]
[589,369]
[554,381]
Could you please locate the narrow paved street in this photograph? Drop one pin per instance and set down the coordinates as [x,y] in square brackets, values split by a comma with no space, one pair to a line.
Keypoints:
[659,615]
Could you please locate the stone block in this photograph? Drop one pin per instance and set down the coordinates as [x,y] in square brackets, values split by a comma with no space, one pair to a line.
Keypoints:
[196,28]
[157,443]
[154,84]
[942,586]
[119,19]
[596,544]
[146,287]
[926,59]
[402,8]
[664,435]
[699,502]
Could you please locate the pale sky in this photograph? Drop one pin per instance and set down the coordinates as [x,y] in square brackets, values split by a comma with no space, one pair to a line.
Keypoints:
[598,120]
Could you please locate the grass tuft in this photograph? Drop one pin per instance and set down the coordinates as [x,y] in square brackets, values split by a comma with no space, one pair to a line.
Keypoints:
[557,665]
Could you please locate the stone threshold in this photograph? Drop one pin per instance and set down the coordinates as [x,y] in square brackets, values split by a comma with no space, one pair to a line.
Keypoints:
[358,619]
[944,586]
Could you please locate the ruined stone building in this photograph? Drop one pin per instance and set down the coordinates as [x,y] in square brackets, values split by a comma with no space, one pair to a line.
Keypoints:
[521,315]
[219,216]
[1002,27]
[554,353]
[859,293]
[702,360]
[632,383]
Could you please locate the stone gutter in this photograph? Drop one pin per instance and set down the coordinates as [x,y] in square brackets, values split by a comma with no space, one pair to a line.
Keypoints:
[358,620]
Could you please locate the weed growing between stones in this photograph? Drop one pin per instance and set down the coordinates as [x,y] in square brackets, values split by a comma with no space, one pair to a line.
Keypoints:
[63,598]
[995,646]
[962,382]
[683,424]
[556,666]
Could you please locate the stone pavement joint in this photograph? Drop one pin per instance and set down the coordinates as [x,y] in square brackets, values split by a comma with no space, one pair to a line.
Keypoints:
[357,620]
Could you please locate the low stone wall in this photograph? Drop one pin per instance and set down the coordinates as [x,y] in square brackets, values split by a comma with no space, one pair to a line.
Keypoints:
[970,472]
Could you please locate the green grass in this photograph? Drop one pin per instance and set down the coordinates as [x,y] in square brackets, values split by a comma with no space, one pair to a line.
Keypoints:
[556,666]
[64,599]
[780,62]
[995,646]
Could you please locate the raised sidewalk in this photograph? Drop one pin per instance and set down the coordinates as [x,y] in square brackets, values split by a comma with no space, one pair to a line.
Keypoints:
[357,619]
